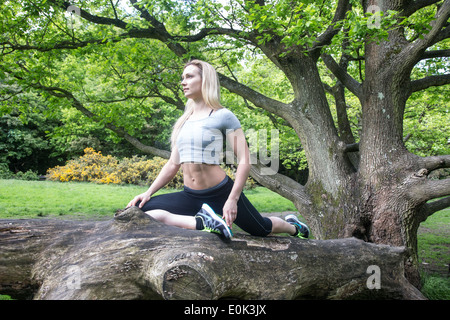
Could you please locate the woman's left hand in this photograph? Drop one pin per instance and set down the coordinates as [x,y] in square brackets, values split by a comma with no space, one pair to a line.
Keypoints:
[230,212]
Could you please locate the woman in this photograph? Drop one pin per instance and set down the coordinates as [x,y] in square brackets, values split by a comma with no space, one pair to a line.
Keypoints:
[197,141]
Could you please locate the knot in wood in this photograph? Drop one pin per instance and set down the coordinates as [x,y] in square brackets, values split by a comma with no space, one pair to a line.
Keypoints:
[132,215]
[421,173]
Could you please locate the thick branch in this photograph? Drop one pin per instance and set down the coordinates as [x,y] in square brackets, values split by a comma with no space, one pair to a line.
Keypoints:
[414,6]
[436,54]
[283,185]
[442,35]
[435,162]
[66,44]
[427,189]
[258,99]
[203,33]
[435,206]
[431,81]
[413,52]
[420,187]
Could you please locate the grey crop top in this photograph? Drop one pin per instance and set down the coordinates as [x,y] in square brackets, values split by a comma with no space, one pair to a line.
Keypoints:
[202,141]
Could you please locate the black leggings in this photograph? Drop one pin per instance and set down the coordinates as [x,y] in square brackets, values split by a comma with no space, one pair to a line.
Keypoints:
[188,202]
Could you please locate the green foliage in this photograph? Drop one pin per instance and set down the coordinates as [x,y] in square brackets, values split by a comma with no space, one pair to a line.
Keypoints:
[427,124]
[23,142]
[133,83]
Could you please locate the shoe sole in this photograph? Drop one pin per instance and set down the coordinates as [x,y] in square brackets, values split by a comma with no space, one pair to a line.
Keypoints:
[228,234]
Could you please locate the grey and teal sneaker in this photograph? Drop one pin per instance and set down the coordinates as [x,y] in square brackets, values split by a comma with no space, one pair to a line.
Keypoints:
[212,222]
[302,229]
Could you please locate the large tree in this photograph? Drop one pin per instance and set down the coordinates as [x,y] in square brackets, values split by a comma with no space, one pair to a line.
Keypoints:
[370,187]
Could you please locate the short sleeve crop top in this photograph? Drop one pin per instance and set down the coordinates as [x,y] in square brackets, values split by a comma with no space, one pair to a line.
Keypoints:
[202,141]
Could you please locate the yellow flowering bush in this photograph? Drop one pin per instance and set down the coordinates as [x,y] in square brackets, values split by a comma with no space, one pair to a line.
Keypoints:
[93,166]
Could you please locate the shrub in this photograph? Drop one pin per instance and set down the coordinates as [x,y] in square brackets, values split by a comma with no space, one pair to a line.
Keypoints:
[98,168]
[95,167]
[29,175]
[4,171]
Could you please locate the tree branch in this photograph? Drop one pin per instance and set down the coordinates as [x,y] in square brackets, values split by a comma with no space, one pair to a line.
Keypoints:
[431,81]
[258,99]
[423,189]
[431,189]
[326,37]
[281,184]
[435,206]
[436,54]
[435,162]
[57,46]
[413,6]
[157,31]
[348,81]
[92,18]
[62,93]
[414,51]
[442,35]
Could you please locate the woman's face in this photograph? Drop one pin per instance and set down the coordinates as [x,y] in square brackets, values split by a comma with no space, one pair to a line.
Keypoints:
[192,82]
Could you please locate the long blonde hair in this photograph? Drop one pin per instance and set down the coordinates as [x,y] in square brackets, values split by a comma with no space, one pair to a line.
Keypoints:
[210,94]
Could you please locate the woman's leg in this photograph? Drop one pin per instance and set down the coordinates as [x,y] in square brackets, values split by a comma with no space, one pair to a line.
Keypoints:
[174,209]
[182,210]
[205,220]
[251,221]
[176,220]
[281,226]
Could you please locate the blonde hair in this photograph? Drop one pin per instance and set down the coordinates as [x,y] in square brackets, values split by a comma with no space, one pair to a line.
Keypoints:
[210,94]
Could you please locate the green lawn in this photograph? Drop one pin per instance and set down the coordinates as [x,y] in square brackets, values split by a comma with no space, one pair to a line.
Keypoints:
[32,199]
[35,199]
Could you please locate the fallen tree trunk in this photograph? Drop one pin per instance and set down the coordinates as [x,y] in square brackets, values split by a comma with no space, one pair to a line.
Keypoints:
[134,257]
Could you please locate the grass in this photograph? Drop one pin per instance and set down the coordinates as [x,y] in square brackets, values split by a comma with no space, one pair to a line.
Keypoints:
[434,255]
[36,199]
[32,199]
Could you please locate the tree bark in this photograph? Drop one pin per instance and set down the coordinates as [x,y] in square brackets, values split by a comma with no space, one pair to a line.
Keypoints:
[134,257]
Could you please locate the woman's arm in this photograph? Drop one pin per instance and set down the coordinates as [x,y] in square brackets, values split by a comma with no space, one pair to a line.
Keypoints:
[240,149]
[166,174]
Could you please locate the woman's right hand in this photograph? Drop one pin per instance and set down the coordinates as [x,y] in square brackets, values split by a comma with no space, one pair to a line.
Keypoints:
[143,198]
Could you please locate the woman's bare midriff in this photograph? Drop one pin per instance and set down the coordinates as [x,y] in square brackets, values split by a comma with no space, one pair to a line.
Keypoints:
[200,176]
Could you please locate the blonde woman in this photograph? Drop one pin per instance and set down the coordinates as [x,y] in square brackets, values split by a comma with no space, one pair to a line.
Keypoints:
[197,142]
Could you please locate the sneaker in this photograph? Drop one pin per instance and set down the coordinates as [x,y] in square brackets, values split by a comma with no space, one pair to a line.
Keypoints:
[212,222]
[302,229]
